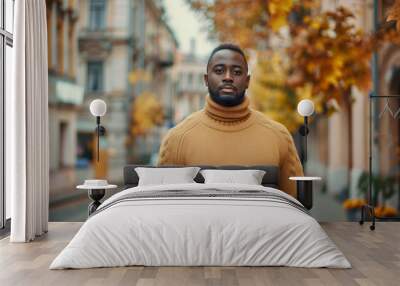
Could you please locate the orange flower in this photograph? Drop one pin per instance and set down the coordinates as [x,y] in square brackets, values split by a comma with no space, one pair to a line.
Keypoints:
[385,211]
[354,203]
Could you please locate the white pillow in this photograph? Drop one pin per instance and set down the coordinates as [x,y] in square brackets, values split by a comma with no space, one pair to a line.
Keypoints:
[162,176]
[249,177]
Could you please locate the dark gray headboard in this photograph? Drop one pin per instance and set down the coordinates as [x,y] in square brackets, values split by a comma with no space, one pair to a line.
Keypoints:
[270,178]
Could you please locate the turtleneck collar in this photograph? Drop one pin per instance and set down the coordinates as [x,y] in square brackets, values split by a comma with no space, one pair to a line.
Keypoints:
[225,114]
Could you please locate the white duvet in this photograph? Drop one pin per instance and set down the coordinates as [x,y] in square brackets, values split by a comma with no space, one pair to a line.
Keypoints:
[185,231]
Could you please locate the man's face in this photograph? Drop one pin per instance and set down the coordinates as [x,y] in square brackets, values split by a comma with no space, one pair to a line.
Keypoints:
[227,78]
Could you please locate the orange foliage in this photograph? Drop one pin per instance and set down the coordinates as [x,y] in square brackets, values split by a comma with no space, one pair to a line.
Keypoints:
[326,58]
[354,203]
[385,211]
[147,113]
[270,93]
[394,14]
[380,211]
[245,22]
[329,53]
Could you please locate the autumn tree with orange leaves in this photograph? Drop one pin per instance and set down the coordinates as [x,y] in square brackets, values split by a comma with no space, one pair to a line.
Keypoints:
[147,112]
[326,52]
[245,22]
[332,55]
[324,58]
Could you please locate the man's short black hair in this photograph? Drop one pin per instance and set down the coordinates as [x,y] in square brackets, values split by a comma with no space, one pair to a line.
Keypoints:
[227,46]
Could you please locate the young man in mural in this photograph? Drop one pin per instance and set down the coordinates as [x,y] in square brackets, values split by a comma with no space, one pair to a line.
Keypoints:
[227,131]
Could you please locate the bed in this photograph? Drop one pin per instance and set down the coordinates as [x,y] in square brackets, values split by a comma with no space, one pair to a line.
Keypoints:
[201,224]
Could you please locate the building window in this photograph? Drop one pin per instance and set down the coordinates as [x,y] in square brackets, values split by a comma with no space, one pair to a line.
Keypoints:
[6,63]
[95,77]
[97,14]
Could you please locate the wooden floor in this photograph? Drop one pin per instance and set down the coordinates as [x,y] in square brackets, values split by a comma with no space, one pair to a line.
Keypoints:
[374,255]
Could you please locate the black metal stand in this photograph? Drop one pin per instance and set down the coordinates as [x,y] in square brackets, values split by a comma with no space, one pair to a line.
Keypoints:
[367,210]
[100,131]
[371,211]
[304,132]
[96,195]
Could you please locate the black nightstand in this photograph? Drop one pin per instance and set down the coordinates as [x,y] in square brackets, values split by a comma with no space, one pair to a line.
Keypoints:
[305,190]
[95,192]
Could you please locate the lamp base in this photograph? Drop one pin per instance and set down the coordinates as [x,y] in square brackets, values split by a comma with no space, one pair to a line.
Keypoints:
[305,193]
[96,195]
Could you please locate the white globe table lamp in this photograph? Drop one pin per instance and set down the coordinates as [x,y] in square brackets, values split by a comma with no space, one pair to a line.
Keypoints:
[305,184]
[96,188]
[98,108]
[305,108]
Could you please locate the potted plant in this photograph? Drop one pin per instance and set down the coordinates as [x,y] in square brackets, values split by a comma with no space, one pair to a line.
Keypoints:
[383,188]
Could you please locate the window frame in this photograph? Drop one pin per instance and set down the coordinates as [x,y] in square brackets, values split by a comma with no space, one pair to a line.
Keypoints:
[100,71]
[96,24]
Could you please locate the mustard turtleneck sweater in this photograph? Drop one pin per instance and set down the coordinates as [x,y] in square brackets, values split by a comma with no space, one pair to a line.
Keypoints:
[218,135]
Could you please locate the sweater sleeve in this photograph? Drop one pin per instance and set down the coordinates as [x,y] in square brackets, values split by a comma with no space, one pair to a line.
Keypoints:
[289,166]
[168,153]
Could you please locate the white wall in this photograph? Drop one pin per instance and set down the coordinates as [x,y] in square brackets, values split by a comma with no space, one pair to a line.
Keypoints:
[115,70]
[118,16]
[360,138]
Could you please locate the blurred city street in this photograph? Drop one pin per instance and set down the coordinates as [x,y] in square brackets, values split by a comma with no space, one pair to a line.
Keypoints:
[147,60]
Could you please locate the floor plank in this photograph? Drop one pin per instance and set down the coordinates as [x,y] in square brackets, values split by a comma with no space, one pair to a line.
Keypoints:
[374,255]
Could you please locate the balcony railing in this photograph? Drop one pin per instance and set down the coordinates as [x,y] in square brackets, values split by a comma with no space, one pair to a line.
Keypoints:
[63,91]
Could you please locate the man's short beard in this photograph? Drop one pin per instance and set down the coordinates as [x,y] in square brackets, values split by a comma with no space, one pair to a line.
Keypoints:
[227,100]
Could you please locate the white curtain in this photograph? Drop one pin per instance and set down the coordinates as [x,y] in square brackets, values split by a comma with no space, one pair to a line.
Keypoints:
[27,142]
